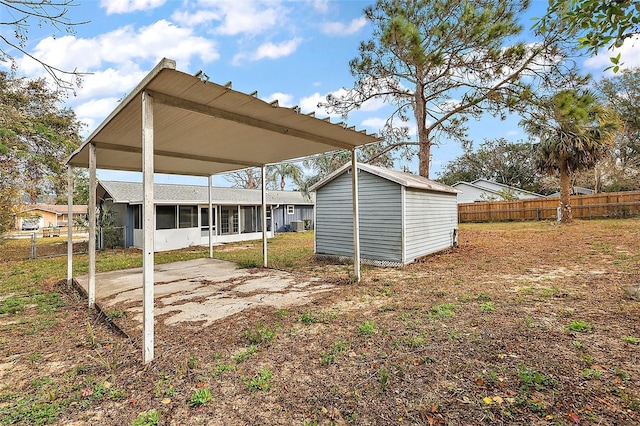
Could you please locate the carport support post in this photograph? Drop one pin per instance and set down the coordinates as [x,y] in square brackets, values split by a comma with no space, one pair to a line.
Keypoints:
[69,225]
[264,216]
[210,217]
[91,286]
[147,214]
[356,218]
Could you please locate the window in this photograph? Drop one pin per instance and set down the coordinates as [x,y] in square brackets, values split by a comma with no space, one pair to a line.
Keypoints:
[188,216]
[290,209]
[137,216]
[204,218]
[165,217]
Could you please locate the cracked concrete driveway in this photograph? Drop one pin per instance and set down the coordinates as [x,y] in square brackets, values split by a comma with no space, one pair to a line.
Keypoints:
[202,290]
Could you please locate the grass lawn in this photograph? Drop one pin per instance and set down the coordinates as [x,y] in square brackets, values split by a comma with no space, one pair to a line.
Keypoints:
[524,323]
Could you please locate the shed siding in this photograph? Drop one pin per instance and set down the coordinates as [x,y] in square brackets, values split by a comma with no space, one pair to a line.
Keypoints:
[430,218]
[380,218]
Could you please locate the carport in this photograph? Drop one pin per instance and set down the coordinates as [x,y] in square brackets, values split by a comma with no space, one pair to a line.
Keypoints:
[178,123]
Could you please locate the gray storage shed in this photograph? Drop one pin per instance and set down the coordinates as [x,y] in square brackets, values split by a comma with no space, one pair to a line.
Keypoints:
[402,216]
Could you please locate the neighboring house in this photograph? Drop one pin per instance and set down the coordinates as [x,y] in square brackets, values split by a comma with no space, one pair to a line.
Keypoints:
[182,218]
[402,216]
[575,190]
[48,215]
[486,190]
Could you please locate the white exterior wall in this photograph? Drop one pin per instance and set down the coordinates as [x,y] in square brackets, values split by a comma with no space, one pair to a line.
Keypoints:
[429,221]
[173,239]
[471,194]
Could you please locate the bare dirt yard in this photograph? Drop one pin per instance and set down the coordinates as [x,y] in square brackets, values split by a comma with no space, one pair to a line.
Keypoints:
[523,324]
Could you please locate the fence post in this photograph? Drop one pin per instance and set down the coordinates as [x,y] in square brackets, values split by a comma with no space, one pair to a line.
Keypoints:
[33,246]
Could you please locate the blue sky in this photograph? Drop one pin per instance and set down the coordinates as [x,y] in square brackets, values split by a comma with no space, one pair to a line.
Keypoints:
[293,51]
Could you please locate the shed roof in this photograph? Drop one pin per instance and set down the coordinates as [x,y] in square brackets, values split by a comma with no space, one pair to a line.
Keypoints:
[202,128]
[131,193]
[401,178]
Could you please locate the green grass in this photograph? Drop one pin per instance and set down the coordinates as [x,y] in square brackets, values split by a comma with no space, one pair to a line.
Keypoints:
[533,379]
[147,418]
[580,326]
[200,398]
[630,339]
[260,382]
[442,310]
[259,334]
[367,328]
[244,355]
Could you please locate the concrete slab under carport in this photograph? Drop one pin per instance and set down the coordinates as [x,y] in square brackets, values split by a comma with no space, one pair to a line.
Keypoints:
[200,290]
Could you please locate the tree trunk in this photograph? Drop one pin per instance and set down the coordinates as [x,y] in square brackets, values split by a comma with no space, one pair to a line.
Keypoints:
[282,183]
[420,113]
[565,193]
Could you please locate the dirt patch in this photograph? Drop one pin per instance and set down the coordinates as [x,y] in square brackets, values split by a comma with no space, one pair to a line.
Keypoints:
[523,324]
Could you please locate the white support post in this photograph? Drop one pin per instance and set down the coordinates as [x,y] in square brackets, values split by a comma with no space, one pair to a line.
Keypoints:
[69,225]
[264,216]
[356,218]
[149,228]
[91,286]
[210,217]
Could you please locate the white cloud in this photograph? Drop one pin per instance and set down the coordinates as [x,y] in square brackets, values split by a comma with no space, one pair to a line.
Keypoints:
[283,99]
[374,124]
[121,47]
[628,51]
[198,18]
[512,133]
[321,6]
[234,17]
[310,104]
[339,29]
[128,6]
[269,51]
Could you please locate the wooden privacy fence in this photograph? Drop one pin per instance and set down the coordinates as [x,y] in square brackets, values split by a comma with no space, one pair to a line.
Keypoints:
[604,205]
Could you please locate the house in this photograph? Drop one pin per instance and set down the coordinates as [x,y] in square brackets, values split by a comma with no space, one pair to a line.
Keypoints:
[402,216]
[575,190]
[486,190]
[181,213]
[49,215]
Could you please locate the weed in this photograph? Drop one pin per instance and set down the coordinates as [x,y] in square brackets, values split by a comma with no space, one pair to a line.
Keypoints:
[192,362]
[163,387]
[307,318]
[29,411]
[91,336]
[221,369]
[590,373]
[577,344]
[116,313]
[632,340]
[588,359]
[34,357]
[147,418]
[260,382]
[487,307]
[580,326]
[482,297]
[242,356]
[259,334]
[383,379]
[327,358]
[367,328]
[200,398]
[249,263]
[414,341]
[624,376]
[530,378]
[442,310]
[281,313]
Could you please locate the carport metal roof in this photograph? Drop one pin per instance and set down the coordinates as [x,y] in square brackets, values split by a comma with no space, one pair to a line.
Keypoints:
[173,122]
[203,128]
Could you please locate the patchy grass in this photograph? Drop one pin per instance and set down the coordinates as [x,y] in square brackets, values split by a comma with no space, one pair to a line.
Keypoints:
[525,323]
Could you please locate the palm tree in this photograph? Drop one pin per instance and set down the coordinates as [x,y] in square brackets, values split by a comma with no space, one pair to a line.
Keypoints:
[575,132]
[280,172]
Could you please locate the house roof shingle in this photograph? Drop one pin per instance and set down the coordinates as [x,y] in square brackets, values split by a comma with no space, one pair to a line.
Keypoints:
[131,192]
